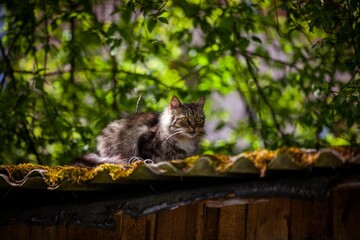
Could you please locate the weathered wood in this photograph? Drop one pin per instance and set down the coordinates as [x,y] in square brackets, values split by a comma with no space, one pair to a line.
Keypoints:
[336,217]
[47,232]
[61,231]
[176,224]
[251,213]
[300,216]
[150,229]
[211,218]
[10,232]
[36,232]
[321,219]
[131,228]
[346,214]
[84,233]
[23,231]
[232,222]
[200,220]
[192,219]
[271,219]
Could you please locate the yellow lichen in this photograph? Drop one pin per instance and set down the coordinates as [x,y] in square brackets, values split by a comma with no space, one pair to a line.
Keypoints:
[53,176]
[300,156]
[220,162]
[185,163]
[18,172]
[346,152]
[261,159]
[118,171]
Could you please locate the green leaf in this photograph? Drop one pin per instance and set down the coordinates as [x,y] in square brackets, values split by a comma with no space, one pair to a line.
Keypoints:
[256,39]
[163,20]
[243,44]
[151,24]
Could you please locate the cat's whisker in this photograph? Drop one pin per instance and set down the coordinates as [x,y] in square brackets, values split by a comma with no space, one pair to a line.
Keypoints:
[171,135]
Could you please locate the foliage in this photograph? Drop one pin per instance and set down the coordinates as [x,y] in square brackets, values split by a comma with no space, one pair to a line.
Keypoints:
[70,67]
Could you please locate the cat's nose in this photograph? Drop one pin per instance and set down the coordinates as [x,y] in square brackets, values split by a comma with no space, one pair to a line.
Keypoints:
[193,130]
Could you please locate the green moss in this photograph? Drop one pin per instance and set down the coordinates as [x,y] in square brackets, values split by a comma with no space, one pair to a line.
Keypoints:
[220,162]
[57,174]
[18,172]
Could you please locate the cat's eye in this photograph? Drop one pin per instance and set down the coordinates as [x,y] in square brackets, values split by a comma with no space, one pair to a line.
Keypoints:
[199,119]
[184,120]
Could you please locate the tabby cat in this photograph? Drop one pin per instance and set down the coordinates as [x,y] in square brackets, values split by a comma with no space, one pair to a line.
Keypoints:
[173,134]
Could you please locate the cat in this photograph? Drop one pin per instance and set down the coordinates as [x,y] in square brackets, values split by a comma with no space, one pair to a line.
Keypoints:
[173,134]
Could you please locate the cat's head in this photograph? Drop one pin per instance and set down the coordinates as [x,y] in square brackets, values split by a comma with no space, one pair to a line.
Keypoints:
[184,120]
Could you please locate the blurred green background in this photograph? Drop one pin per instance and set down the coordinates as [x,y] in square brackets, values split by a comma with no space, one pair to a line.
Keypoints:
[275,73]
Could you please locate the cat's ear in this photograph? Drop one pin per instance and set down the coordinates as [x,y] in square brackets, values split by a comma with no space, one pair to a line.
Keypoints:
[200,103]
[175,102]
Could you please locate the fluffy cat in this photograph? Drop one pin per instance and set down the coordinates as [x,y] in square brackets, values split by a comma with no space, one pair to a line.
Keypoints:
[173,134]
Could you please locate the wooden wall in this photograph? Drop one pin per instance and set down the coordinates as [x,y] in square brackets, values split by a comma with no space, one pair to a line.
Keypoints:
[336,217]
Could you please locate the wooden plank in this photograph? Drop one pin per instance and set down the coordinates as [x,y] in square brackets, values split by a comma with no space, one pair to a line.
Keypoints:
[85,233]
[232,222]
[211,218]
[75,232]
[321,223]
[150,227]
[300,218]
[119,219]
[9,231]
[192,219]
[251,220]
[61,231]
[346,214]
[48,232]
[336,217]
[172,224]
[35,232]
[200,220]
[23,231]
[263,217]
[132,228]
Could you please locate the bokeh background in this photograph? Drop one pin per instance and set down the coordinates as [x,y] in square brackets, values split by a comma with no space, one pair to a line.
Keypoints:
[274,73]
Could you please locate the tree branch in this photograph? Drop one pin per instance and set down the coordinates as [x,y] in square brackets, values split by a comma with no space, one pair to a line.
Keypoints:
[94,70]
[47,43]
[263,95]
[32,146]
[9,70]
[352,20]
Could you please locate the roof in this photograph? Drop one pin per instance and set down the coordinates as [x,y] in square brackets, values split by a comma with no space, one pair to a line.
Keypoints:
[140,189]
[257,163]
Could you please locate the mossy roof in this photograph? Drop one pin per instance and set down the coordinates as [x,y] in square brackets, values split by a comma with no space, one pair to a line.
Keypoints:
[51,195]
[258,163]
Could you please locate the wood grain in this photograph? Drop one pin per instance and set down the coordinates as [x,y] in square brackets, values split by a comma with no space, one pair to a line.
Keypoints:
[335,217]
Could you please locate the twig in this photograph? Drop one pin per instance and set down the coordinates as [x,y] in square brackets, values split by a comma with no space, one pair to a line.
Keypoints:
[352,38]
[47,44]
[248,109]
[60,72]
[9,70]
[32,146]
[302,12]
[72,60]
[277,21]
[138,103]
[114,74]
[262,94]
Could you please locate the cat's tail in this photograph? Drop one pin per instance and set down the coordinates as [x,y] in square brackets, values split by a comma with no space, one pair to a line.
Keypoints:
[93,160]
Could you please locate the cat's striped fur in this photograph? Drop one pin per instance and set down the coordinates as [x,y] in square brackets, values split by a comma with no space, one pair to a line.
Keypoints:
[173,134]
